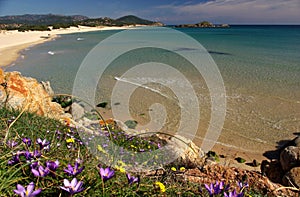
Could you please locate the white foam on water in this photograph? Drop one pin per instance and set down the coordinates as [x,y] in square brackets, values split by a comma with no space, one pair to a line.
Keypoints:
[51,53]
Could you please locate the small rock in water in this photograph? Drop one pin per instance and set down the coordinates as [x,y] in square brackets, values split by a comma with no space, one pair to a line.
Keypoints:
[240,160]
[213,156]
[131,124]
[102,105]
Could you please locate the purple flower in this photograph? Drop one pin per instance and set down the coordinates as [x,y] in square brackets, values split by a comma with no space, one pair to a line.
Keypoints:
[158,145]
[28,192]
[52,165]
[242,185]
[132,179]
[27,141]
[106,173]
[42,143]
[73,187]
[73,171]
[28,155]
[233,194]
[11,143]
[34,165]
[41,171]
[15,159]
[210,189]
[36,154]
[216,189]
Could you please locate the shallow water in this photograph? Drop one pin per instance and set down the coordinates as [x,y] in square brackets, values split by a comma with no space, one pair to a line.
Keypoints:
[260,66]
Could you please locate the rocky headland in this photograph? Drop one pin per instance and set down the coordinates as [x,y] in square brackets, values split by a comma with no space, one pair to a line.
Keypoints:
[203,24]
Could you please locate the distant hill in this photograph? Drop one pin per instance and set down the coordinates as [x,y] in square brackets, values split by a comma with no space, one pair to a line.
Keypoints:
[40,22]
[37,19]
[130,20]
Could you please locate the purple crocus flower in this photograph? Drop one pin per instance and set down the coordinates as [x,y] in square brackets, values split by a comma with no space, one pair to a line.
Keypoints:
[210,189]
[106,173]
[42,143]
[27,141]
[242,185]
[52,165]
[73,187]
[73,171]
[41,171]
[15,159]
[36,154]
[233,194]
[132,179]
[21,191]
[28,155]
[219,187]
[34,165]
[216,189]
[11,143]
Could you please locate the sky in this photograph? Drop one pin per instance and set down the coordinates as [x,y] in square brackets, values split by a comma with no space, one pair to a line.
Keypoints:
[166,11]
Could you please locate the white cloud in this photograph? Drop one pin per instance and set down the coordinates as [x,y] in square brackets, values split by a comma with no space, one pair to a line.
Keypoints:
[238,11]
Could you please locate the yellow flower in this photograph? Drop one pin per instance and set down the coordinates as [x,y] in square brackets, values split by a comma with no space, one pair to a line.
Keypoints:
[70,140]
[161,186]
[133,146]
[182,169]
[173,169]
[121,163]
[101,149]
[121,169]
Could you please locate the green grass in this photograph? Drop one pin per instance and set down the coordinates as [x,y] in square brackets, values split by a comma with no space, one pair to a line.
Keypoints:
[16,126]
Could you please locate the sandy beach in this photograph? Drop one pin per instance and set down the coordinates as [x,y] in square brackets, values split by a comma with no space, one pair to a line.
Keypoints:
[12,42]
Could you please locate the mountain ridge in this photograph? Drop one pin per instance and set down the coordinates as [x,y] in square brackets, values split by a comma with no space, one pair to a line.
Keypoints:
[18,21]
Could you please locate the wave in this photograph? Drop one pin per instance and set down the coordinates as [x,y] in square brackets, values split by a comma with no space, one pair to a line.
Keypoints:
[51,53]
[143,86]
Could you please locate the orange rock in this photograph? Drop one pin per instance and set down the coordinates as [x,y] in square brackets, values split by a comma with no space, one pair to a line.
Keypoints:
[1,76]
[28,93]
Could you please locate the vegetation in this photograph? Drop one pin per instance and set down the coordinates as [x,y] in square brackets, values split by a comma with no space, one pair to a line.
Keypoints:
[41,156]
[42,22]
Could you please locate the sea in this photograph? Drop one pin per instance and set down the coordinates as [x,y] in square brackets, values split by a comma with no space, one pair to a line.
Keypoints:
[259,65]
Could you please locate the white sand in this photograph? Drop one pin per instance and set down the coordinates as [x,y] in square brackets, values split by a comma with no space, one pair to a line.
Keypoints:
[12,42]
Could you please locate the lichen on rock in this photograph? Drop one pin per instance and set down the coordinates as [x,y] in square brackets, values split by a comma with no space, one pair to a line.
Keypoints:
[25,93]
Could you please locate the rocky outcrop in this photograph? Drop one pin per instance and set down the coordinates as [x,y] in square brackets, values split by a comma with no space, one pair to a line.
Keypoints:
[203,24]
[285,169]
[292,177]
[190,155]
[25,93]
[290,157]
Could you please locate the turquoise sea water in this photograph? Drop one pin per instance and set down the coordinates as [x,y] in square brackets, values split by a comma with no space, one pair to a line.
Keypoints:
[260,66]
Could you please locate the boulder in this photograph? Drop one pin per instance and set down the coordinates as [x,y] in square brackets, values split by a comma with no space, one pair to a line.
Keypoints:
[47,87]
[189,154]
[77,111]
[272,169]
[24,93]
[290,157]
[292,178]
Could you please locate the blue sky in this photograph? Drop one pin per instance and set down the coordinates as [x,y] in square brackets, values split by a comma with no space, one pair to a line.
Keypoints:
[167,11]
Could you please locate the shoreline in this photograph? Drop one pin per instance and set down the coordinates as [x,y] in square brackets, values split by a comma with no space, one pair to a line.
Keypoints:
[13,42]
